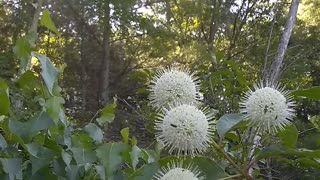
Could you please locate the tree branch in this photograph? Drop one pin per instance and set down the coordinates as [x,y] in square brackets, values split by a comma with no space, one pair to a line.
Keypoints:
[274,71]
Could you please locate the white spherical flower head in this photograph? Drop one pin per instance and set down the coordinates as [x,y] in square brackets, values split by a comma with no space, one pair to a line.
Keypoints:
[176,171]
[270,107]
[184,129]
[173,86]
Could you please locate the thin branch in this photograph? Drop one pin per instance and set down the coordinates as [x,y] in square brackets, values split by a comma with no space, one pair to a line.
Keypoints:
[268,46]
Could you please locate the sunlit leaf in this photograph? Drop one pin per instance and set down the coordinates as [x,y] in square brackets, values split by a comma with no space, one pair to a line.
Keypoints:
[312,93]
[107,113]
[4,98]
[47,22]
[22,50]
[125,134]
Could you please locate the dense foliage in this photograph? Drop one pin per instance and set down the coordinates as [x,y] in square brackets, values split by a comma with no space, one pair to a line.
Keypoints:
[73,99]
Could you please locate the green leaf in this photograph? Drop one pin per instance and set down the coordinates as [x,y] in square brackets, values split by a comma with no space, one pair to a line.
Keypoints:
[276,150]
[4,98]
[125,135]
[47,22]
[13,167]
[94,132]
[73,172]
[22,50]
[3,142]
[289,136]
[54,107]
[100,171]
[28,82]
[312,93]
[110,156]
[135,154]
[146,172]
[82,140]
[227,122]
[39,156]
[83,156]
[66,158]
[29,129]
[107,113]
[149,156]
[49,73]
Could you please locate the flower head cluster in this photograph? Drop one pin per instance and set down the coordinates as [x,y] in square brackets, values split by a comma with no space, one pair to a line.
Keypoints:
[184,129]
[173,86]
[269,107]
[176,171]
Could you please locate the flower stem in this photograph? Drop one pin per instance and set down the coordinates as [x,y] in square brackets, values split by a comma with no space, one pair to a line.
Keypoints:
[237,168]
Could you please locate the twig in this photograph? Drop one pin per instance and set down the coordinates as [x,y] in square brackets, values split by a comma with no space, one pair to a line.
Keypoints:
[238,169]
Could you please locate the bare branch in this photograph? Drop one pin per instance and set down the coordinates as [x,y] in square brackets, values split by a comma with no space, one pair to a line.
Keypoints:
[274,71]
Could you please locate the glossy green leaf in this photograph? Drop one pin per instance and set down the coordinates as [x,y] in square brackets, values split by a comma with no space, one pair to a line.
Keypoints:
[227,122]
[289,136]
[125,135]
[47,22]
[13,167]
[110,156]
[94,132]
[49,73]
[83,156]
[107,113]
[4,98]
[312,93]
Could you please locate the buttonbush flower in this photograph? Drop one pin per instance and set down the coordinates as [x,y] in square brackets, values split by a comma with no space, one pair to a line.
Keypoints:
[184,129]
[269,107]
[176,171]
[173,85]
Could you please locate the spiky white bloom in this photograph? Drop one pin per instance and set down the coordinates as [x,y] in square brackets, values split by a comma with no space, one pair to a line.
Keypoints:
[184,129]
[173,85]
[177,171]
[269,107]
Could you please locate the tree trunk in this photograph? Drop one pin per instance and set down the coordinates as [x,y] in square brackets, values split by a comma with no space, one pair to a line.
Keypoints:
[104,72]
[275,68]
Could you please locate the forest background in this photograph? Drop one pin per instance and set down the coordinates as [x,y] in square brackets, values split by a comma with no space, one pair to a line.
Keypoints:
[110,49]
